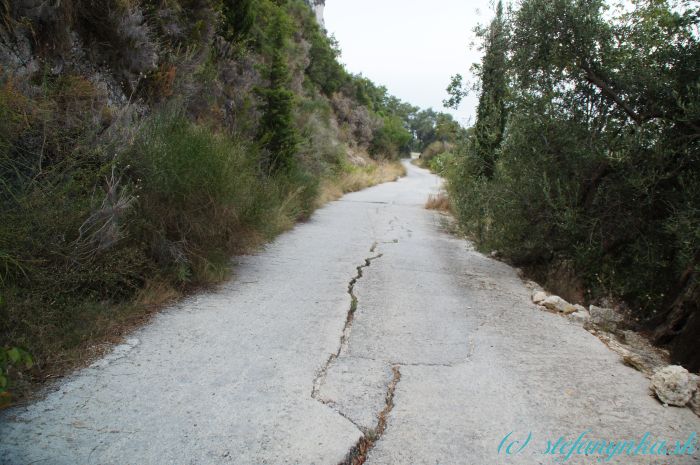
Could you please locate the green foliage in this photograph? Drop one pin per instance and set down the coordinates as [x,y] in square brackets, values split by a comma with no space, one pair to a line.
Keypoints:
[391,139]
[195,187]
[455,91]
[435,149]
[278,135]
[324,69]
[598,164]
[111,195]
[429,126]
[239,18]
[442,163]
[11,357]
[491,111]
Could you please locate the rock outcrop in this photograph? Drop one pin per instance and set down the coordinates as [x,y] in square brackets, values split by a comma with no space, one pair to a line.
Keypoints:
[318,6]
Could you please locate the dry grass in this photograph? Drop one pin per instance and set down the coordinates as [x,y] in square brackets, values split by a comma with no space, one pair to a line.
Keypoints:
[157,293]
[439,202]
[358,178]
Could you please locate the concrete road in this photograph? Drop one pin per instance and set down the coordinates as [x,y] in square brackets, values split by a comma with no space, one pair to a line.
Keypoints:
[368,325]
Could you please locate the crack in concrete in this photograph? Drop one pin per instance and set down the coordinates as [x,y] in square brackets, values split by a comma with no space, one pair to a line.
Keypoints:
[358,454]
[321,376]
[339,412]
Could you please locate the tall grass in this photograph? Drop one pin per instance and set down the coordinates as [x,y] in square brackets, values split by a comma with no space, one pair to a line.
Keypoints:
[197,194]
[92,244]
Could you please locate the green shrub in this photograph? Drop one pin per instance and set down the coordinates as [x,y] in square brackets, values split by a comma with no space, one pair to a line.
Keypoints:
[597,166]
[146,176]
[196,191]
[390,140]
[201,193]
[11,358]
[434,149]
[442,164]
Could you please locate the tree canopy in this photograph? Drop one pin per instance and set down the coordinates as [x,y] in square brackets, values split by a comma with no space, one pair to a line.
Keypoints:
[585,152]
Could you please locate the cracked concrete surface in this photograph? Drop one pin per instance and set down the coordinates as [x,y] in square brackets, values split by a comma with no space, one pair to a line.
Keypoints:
[272,369]
[322,376]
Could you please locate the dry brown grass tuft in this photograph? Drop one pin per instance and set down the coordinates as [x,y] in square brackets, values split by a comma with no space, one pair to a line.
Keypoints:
[157,293]
[439,202]
[359,178]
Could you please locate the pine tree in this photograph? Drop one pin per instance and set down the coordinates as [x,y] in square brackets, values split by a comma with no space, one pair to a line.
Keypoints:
[491,111]
[278,136]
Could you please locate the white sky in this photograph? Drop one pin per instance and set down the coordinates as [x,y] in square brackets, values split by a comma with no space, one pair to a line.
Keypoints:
[410,46]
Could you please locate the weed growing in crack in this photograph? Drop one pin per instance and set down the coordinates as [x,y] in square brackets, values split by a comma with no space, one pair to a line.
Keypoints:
[348,324]
[358,454]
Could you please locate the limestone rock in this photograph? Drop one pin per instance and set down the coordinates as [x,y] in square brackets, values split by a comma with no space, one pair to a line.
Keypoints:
[674,385]
[604,316]
[318,7]
[554,302]
[581,314]
[538,297]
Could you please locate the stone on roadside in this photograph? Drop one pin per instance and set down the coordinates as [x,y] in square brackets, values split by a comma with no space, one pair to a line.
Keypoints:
[581,314]
[604,316]
[538,297]
[554,302]
[674,385]
[635,361]
[569,310]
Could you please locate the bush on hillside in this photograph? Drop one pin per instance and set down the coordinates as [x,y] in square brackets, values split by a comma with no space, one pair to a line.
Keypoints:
[434,149]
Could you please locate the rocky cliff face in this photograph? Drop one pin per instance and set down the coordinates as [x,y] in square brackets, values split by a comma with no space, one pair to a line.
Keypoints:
[318,6]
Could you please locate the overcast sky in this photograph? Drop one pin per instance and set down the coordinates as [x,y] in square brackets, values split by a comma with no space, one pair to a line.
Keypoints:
[410,46]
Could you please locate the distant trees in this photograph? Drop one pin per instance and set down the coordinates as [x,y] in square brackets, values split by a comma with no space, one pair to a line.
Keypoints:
[391,139]
[428,126]
[586,151]
[423,127]
[264,27]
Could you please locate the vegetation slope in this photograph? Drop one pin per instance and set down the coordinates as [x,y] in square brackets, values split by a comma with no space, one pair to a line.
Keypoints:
[142,142]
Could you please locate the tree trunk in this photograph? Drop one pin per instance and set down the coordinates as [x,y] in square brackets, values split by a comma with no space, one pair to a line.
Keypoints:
[679,327]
